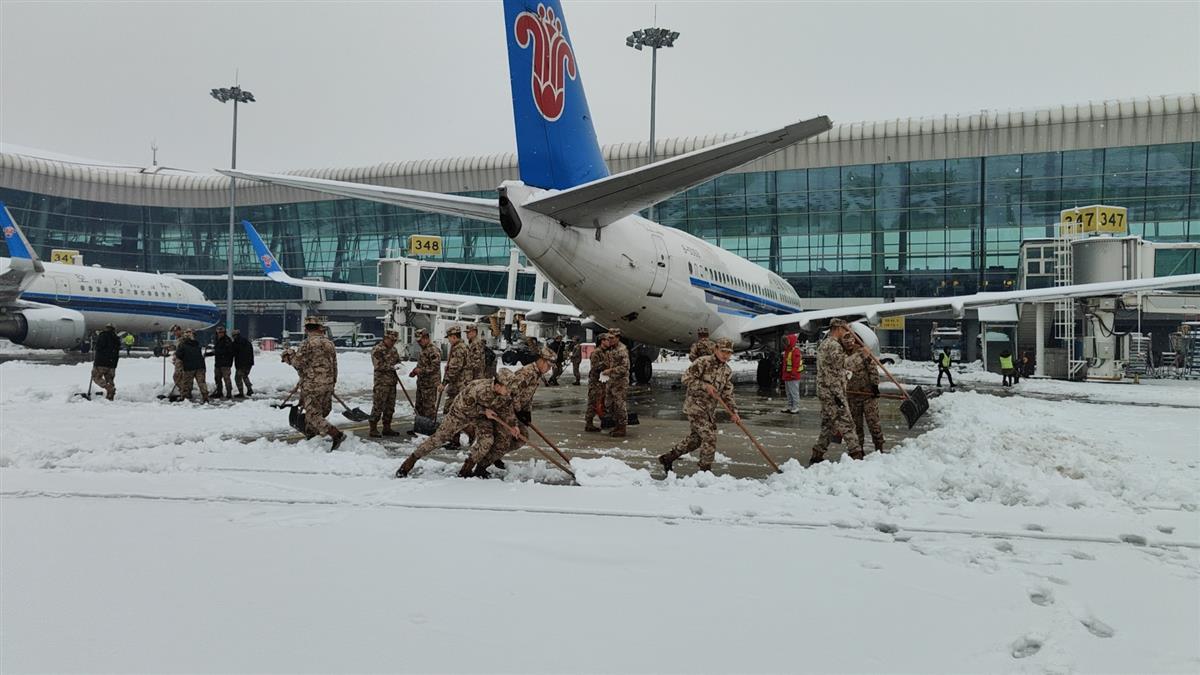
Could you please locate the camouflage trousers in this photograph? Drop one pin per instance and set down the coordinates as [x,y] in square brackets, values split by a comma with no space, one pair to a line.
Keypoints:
[575,371]
[242,378]
[317,402]
[426,401]
[556,373]
[451,426]
[616,401]
[835,421]
[383,401]
[502,443]
[867,408]
[449,393]
[177,378]
[187,378]
[222,378]
[595,398]
[702,437]
[106,379]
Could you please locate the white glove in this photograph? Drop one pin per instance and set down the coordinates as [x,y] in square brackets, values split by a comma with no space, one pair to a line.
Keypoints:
[603,377]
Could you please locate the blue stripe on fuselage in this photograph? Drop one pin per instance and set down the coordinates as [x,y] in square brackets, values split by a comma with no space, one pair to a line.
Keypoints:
[171,310]
[753,303]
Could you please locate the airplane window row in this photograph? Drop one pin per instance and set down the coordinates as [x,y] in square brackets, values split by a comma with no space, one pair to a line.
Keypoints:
[729,279]
[121,291]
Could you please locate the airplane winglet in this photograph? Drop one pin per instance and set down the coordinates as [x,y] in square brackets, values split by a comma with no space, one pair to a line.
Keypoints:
[270,265]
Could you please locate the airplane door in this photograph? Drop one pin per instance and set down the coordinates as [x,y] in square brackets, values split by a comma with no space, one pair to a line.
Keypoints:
[62,289]
[661,266]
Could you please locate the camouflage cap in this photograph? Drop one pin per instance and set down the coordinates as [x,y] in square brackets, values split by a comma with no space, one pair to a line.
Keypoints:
[472,328]
[421,333]
[614,332]
[454,330]
[546,354]
[602,336]
[175,328]
[314,321]
[724,345]
[504,377]
[838,322]
[391,334]
[702,331]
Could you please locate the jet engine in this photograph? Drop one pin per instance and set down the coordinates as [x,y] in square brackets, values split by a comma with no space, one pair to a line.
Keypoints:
[43,327]
[868,336]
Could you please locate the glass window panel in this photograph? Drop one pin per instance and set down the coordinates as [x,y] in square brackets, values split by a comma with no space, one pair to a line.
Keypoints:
[1041,165]
[891,175]
[824,179]
[1002,167]
[731,184]
[858,176]
[925,173]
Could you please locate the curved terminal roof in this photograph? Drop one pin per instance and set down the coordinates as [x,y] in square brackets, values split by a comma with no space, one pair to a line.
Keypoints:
[1137,121]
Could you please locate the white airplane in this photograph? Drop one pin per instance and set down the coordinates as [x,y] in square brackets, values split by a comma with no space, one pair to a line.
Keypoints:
[53,306]
[579,225]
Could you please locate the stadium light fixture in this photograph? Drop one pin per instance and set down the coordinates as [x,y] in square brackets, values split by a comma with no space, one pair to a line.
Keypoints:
[655,39]
[237,95]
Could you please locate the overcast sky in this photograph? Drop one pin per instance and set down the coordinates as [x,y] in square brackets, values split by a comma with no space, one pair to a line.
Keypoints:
[348,84]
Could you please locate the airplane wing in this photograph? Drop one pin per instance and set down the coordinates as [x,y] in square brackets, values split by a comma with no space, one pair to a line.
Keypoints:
[473,304]
[24,265]
[465,207]
[814,320]
[604,201]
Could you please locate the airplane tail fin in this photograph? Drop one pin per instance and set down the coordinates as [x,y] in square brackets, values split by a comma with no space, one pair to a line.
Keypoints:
[269,264]
[19,248]
[556,142]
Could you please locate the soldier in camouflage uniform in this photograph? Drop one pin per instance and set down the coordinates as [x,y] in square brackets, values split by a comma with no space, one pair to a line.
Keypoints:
[557,346]
[474,408]
[576,359]
[831,392]
[176,364]
[458,367]
[616,388]
[707,377]
[595,393]
[524,386]
[384,359]
[316,362]
[703,346]
[428,372]
[191,360]
[862,390]
[475,348]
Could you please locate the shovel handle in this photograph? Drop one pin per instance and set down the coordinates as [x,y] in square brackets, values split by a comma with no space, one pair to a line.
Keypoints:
[880,365]
[551,458]
[761,450]
[550,443]
[405,390]
[867,393]
[288,397]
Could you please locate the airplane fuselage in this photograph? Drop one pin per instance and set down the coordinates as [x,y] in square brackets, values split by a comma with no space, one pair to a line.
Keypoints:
[137,302]
[656,283]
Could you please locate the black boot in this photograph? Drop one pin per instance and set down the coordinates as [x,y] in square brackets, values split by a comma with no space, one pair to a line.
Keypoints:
[467,467]
[818,456]
[337,440]
[667,461]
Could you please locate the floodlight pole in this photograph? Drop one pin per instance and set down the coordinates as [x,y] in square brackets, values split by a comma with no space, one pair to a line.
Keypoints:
[237,95]
[654,38]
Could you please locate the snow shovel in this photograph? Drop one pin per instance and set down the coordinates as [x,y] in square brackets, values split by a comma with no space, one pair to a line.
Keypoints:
[525,439]
[897,397]
[761,450]
[352,414]
[421,424]
[549,442]
[915,404]
[283,404]
[88,395]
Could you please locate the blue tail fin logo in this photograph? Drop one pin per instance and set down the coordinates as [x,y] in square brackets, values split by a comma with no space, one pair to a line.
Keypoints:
[556,142]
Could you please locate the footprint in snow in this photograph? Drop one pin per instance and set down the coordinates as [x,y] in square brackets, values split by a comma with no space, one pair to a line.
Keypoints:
[1080,555]
[1135,539]
[1004,546]
[1042,596]
[1166,529]
[1097,627]
[1026,646]
[887,528]
[1034,527]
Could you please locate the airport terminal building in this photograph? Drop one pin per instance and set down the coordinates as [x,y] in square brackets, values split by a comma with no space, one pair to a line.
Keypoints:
[934,206]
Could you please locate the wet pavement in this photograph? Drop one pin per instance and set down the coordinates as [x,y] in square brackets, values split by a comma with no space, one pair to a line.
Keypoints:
[558,412]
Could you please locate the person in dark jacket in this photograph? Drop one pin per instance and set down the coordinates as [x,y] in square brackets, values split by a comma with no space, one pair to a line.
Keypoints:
[191,356]
[243,359]
[223,351]
[104,364]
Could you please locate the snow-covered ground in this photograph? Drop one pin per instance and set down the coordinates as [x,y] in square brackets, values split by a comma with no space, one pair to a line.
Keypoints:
[1018,534]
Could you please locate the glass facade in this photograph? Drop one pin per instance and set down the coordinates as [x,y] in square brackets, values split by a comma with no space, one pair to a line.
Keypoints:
[942,227]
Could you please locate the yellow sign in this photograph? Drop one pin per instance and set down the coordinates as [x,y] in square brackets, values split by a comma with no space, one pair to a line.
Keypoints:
[64,256]
[419,244]
[891,323]
[1096,218]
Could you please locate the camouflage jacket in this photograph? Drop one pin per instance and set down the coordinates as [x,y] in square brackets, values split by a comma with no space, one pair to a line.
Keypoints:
[703,347]
[577,353]
[316,361]
[598,361]
[524,386]
[478,396]
[831,368]
[863,373]
[617,364]
[384,360]
[475,358]
[707,370]
[458,367]
[430,365]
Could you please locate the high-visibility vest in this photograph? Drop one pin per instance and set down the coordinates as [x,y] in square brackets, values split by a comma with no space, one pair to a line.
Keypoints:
[129,338]
[788,361]
[1006,362]
[945,360]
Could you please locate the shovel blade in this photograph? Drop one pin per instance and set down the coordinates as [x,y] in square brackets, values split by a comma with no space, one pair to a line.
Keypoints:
[424,425]
[914,406]
[356,415]
[296,418]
